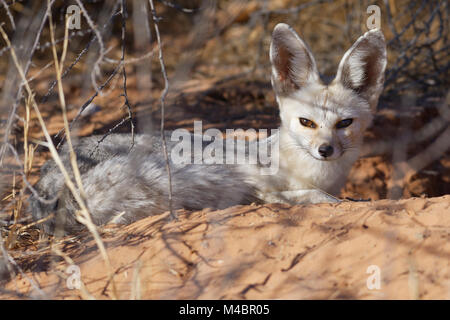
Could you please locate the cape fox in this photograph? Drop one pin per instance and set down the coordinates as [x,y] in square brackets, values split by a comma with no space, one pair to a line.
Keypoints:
[322,126]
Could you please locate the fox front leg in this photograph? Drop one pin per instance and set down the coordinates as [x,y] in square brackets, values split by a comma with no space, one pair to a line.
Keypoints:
[299,196]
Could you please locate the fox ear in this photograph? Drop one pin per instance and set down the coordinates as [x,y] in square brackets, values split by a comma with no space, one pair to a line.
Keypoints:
[362,67]
[293,64]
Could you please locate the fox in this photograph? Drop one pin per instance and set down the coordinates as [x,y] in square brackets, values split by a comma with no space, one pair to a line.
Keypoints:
[319,139]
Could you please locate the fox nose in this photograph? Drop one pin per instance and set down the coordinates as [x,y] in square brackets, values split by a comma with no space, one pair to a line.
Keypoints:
[325,150]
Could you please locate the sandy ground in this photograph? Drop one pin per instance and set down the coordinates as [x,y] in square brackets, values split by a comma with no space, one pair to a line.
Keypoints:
[267,252]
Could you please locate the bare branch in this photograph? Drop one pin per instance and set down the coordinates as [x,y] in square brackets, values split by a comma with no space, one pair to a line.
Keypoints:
[96,69]
[163,99]
[124,73]
[8,13]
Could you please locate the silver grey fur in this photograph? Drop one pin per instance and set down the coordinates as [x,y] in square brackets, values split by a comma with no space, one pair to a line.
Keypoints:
[130,185]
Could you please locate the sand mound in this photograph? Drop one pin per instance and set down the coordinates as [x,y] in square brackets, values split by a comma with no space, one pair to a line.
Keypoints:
[266,252]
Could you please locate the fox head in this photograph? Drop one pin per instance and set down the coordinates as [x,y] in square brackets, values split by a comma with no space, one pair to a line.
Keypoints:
[326,120]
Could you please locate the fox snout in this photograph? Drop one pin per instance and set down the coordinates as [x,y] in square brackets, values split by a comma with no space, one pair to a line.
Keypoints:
[326,150]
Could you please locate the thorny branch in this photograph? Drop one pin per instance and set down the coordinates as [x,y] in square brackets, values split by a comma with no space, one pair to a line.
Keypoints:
[96,69]
[163,99]
[19,91]
[124,73]
[8,13]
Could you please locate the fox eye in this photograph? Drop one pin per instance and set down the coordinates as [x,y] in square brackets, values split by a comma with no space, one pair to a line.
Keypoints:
[344,123]
[307,123]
